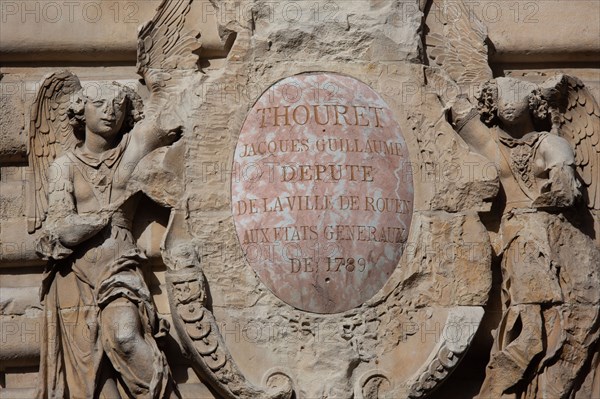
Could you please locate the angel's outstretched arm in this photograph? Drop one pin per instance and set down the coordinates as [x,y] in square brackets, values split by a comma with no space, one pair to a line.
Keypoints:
[167,52]
[64,227]
[154,132]
[466,121]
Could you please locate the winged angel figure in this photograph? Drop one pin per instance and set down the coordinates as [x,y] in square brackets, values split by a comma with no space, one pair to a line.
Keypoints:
[544,141]
[100,323]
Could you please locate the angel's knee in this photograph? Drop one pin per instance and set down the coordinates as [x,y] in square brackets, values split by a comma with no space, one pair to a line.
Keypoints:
[121,326]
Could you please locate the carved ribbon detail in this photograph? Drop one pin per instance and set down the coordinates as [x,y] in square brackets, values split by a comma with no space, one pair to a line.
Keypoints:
[195,323]
[455,340]
[436,372]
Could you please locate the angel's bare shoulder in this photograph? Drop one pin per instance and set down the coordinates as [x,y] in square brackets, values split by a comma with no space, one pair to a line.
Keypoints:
[61,169]
[556,150]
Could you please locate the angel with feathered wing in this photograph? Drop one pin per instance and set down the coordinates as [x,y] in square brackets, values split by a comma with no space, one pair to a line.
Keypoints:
[100,323]
[544,141]
[100,319]
[91,157]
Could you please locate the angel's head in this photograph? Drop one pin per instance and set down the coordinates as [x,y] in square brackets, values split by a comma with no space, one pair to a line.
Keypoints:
[511,102]
[111,110]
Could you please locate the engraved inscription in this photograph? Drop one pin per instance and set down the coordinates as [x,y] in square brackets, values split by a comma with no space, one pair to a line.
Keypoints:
[322,192]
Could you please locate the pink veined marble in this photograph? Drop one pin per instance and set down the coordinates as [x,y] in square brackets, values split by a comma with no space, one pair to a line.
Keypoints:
[322,191]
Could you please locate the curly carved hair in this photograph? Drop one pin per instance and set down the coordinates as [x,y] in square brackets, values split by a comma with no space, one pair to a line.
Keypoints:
[487,100]
[538,104]
[133,110]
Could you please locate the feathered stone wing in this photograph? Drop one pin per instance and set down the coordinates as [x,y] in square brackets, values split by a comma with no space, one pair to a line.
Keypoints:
[166,46]
[50,134]
[576,117]
[461,51]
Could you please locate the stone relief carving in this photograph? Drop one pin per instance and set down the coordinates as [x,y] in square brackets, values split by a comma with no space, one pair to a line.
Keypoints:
[196,325]
[550,298]
[93,272]
[91,156]
[543,140]
[446,356]
[549,263]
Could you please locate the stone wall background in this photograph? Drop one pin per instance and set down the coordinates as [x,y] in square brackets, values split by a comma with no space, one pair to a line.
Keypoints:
[96,40]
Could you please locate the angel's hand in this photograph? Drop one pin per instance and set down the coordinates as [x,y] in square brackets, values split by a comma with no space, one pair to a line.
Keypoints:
[156,131]
[50,247]
[459,109]
[555,199]
[75,229]
[560,191]
[173,134]
[105,215]
[170,127]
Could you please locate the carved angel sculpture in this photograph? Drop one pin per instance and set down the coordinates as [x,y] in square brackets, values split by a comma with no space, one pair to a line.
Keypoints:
[99,313]
[544,141]
[100,323]
[91,156]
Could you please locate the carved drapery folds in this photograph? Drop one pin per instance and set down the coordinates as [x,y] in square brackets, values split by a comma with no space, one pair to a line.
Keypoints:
[543,140]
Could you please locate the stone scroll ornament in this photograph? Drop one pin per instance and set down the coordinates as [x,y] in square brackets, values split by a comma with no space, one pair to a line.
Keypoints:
[92,155]
[545,142]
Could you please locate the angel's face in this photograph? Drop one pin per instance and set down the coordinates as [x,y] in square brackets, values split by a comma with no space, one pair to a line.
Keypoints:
[105,113]
[513,101]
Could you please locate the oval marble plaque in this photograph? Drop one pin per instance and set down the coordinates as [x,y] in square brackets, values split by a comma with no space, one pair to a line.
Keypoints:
[322,191]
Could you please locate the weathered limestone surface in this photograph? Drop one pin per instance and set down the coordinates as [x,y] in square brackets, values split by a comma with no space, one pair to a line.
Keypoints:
[407,338]
[55,31]
[528,32]
[36,31]
[306,345]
